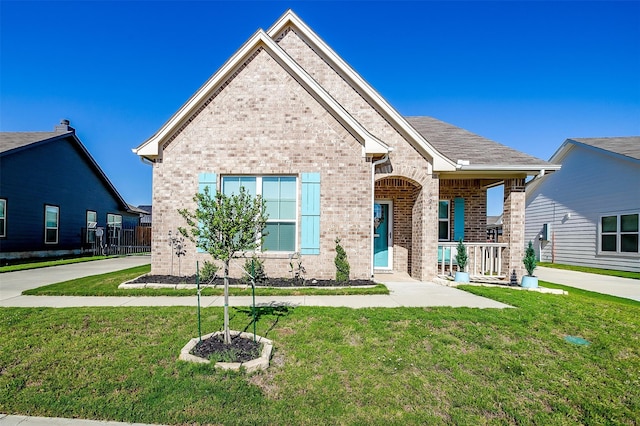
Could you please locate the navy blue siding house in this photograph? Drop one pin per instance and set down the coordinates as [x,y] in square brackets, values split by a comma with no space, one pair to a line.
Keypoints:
[54,198]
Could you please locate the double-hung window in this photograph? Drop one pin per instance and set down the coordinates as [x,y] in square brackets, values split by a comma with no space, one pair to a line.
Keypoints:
[279,194]
[619,233]
[114,227]
[92,223]
[51,224]
[443,220]
[3,217]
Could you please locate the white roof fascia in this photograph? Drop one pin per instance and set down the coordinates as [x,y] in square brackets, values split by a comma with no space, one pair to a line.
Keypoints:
[440,162]
[524,168]
[372,145]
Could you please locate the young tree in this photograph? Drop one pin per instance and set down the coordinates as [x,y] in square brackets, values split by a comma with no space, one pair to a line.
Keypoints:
[224,226]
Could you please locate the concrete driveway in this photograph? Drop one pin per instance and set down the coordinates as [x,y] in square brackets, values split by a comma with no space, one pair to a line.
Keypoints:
[12,284]
[615,286]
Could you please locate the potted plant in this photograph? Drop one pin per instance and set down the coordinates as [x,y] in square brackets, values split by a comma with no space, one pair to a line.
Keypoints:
[461,260]
[529,280]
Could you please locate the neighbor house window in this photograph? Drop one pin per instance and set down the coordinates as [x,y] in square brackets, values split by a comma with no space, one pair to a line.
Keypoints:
[51,224]
[619,233]
[92,224]
[3,217]
[114,225]
[279,194]
[443,220]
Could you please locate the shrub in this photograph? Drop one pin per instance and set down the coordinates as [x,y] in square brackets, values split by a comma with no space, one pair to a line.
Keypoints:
[530,259]
[209,271]
[461,256]
[260,277]
[342,264]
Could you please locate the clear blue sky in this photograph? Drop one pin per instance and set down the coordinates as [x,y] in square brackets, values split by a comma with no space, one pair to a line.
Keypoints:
[526,74]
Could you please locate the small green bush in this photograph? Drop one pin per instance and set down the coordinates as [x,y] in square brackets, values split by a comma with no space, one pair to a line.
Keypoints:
[342,264]
[461,256]
[208,272]
[530,259]
[260,276]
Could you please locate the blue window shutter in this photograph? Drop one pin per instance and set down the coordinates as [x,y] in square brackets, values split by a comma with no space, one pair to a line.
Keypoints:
[206,180]
[458,219]
[310,224]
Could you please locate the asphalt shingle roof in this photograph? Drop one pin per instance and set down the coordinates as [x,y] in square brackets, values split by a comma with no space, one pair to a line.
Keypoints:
[456,144]
[627,146]
[13,140]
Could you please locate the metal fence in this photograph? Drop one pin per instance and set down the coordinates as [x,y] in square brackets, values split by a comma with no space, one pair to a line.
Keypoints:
[114,240]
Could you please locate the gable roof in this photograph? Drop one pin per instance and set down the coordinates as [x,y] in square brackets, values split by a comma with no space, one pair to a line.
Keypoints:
[260,40]
[432,138]
[462,146]
[628,146]
[12,142]
[150,148]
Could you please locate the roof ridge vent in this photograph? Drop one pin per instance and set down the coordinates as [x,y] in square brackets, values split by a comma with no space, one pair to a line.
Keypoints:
[63,127]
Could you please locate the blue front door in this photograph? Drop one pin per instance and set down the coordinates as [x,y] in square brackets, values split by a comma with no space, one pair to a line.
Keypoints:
[381,220]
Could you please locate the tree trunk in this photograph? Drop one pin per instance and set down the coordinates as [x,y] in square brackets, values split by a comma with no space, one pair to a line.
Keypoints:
[227,334]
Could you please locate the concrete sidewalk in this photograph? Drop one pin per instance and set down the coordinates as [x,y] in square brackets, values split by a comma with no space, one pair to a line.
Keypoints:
[10,420]
[402,294]
[615,286]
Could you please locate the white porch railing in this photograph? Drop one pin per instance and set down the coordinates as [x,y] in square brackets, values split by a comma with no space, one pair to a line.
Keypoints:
[484,259]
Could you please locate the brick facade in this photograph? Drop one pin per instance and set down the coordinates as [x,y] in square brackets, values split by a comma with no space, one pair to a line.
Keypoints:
[265,123]
[513,223]
[261,121]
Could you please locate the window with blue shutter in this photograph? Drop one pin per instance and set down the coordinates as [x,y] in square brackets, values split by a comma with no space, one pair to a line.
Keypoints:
[310,221]
[206,180]
[458,219]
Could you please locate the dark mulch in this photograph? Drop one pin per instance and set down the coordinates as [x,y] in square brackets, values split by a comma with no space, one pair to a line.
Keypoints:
[271,282]
[214,348]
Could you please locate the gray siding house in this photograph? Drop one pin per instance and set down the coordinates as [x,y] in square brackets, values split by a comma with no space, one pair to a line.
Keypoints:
[587,213]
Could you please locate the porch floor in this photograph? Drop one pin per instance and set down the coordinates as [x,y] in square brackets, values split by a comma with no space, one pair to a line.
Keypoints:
[393,276]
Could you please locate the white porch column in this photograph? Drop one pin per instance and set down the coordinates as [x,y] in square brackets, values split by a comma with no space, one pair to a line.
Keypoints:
[513,221]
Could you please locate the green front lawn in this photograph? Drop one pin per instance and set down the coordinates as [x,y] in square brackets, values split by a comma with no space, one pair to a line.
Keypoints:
[107,285]
[599,271]
[334,365]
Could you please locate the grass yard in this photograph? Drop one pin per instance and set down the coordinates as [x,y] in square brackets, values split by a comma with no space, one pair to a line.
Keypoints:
[107,285]
[334,365]
[599,271]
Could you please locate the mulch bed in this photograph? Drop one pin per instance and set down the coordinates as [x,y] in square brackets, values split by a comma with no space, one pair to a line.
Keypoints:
[214,348]
[271,282]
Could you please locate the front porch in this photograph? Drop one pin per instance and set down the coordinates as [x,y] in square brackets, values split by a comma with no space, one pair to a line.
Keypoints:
[426,221]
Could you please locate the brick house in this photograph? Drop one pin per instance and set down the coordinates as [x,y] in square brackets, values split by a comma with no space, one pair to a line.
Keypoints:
[287,118]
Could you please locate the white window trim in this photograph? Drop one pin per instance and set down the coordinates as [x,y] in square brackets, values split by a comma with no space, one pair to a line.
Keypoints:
[448,219]
[57,227]
[618,233]
[295,221]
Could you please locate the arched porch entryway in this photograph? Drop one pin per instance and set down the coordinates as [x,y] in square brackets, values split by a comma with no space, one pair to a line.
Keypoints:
[397,217]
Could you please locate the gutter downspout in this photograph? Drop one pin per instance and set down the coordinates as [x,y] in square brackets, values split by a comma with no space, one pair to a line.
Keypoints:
[373,194]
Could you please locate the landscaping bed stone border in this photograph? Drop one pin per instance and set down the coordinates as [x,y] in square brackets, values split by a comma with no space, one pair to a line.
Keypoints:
[261,363]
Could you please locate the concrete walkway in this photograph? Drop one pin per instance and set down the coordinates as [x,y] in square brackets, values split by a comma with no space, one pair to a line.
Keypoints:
[615,286]
[404,292]
[12,284]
